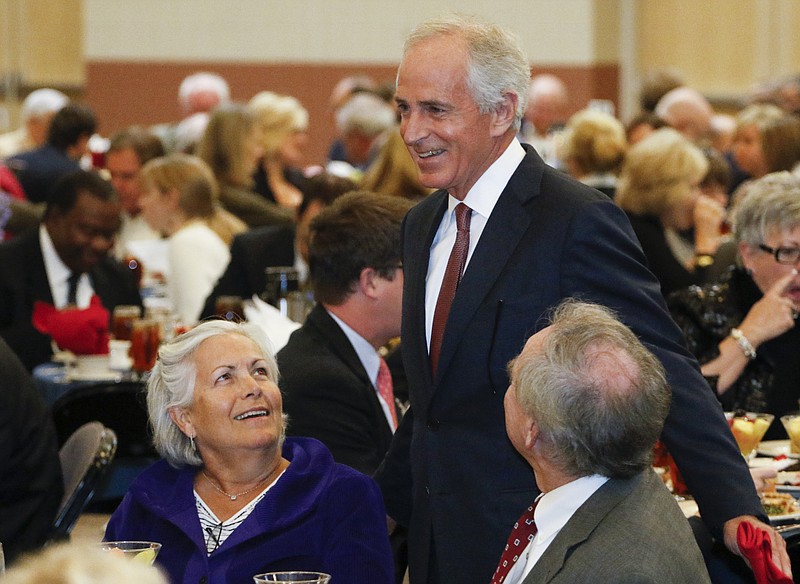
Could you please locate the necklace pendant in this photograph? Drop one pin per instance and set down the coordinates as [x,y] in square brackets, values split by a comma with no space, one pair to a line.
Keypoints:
[234,497]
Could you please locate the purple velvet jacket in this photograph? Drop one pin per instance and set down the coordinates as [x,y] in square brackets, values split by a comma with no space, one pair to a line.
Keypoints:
[319,516]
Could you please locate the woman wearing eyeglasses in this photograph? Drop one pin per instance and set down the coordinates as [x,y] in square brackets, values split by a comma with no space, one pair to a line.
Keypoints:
[742,329]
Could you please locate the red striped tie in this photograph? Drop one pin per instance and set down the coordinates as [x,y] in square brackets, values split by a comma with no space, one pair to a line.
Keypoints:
[452,278]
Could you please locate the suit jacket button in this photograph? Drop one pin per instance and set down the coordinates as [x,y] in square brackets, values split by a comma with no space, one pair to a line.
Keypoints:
[433,424]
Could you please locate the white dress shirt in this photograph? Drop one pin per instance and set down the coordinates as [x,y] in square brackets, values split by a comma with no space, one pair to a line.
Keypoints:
[58,275]
[481,198]
[371,361]
[552,513]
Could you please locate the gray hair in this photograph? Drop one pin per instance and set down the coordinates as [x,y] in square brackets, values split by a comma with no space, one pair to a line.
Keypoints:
[42,102]
[598,396]
[496,63]
[765,205]
[172,380]
[80,563]
[367,113]
[204,81]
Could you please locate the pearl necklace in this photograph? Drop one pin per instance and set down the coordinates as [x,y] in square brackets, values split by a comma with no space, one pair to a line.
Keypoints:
[237,495]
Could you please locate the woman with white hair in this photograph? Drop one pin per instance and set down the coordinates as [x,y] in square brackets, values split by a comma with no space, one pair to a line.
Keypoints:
[233,496]
[743,328]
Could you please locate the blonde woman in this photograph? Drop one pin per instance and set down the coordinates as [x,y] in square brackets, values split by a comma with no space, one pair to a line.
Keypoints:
[231,147]
[748,146]
[393,172]
[593,148]
[180,202]
[659,189]
[283,126]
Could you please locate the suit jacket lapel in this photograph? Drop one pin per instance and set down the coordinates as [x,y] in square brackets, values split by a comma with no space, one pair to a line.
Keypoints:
[337,341]
[506,226]
[580,527]
[37,274]
[416,252]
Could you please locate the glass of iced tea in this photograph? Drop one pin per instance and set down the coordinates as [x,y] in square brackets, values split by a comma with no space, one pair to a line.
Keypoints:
[748,429]
[122,321]
[145,339]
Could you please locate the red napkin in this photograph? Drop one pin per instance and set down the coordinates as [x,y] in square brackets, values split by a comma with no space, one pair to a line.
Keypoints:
[755,546]
[82,331]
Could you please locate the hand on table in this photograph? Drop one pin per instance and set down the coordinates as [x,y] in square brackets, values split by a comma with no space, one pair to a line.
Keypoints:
[761,476]
[779,555]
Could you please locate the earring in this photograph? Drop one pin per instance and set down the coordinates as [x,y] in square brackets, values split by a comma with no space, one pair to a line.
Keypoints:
[191,439]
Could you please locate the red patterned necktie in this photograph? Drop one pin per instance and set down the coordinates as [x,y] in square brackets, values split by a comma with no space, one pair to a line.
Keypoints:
[452,278]
[386,390]
[524,531]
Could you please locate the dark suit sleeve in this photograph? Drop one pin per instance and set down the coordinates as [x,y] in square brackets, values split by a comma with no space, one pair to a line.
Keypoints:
[31,486]
[603,264]
[394,474]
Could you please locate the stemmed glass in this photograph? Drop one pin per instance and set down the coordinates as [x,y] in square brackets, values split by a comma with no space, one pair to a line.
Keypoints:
[748,429]
[295,577]
[141,551]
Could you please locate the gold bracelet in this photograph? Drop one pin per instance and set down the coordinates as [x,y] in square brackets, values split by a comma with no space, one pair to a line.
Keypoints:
[703,260]
[744,343]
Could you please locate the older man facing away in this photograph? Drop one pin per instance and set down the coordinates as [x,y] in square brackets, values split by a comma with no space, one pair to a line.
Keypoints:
[586,404]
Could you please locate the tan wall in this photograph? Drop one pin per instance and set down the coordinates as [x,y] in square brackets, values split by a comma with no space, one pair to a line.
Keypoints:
[129,56]
[721,46]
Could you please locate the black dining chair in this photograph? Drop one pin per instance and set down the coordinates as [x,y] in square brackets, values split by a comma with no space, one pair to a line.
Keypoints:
[85,457]
[120,407]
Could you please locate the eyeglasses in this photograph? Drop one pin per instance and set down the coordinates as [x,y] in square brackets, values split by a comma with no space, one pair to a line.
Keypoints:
[787,256]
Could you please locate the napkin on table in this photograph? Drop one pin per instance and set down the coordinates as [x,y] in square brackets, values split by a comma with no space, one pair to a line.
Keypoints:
[82,331]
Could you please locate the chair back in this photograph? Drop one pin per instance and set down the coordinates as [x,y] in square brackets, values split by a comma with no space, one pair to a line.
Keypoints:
[85,457]
[119,406]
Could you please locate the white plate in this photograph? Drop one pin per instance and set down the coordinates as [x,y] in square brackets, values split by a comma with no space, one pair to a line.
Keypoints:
[787,516]
[788,482]
[776,448]
[107,375]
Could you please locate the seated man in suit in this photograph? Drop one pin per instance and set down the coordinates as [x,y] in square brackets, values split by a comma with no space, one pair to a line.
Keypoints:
[584,408]
[336,386]
[256,249]
[64,264]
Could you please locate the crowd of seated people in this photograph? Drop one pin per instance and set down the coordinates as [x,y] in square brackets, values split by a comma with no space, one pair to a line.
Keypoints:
[246,200]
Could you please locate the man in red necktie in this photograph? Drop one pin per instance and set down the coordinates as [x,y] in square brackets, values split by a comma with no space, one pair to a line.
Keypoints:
[337,387]
[584,408]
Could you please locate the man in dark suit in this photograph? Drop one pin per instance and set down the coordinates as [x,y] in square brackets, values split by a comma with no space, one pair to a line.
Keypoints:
[331,368]
[31,485]
[586,404]
[38,170]
[529,237]
[72,244]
